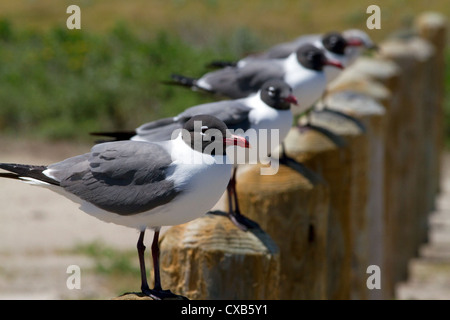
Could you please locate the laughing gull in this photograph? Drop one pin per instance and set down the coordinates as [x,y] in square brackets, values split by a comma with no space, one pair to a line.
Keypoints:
[344,47]
[267,110]
[302,70]
[144,184]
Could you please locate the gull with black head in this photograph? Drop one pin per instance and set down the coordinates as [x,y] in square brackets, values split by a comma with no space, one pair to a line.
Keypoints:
[302,70]
[344,47]
[144,184]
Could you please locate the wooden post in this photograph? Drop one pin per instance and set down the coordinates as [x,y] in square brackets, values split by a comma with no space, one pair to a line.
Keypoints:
[432,26]
[210,258]
[366,210]
[319,153]
[406,152]
[384,74]
[344,170]
[406,163]
[374,77]
[294,211]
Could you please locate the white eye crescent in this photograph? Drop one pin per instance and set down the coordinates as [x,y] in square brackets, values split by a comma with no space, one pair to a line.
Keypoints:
[271,91]
[203,129]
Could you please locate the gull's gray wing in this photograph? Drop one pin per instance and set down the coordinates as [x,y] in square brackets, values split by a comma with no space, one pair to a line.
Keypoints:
[279,51]
[283,50]
[159,130]
[235,82]
[233,113]
[124,177]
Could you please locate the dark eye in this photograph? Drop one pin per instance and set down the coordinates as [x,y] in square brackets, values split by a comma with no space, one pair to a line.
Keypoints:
[311,55]
[334,40]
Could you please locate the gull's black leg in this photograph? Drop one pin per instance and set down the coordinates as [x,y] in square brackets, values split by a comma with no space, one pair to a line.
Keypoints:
[141,249]
[155,257]
[234,213]
[157,293]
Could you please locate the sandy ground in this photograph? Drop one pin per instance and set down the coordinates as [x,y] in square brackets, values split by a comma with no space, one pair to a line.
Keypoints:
[37,225]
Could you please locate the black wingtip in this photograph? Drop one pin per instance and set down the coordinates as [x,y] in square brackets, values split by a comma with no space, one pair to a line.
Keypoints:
[181,80]
[20,171]
[9,175]
[170,83]
[116,135]
[221,64]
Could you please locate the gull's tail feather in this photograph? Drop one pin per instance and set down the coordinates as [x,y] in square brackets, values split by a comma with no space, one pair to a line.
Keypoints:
[187,82]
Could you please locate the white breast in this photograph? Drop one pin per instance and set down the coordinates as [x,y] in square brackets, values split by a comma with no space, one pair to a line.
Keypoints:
[307,85]
[264,117]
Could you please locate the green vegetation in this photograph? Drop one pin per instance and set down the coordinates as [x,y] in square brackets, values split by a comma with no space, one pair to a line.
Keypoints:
[60,83]
[119,269]
[57,83]
[109,261]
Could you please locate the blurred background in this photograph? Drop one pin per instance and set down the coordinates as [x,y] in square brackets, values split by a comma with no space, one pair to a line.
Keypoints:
[57,85]
[61,84]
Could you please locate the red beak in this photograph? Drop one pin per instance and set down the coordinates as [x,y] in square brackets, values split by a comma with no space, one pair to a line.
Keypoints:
[355,42]
[291,99]
[334,63]
[235,140]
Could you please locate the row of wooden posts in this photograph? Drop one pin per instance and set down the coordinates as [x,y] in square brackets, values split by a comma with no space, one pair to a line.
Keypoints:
[365,204]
